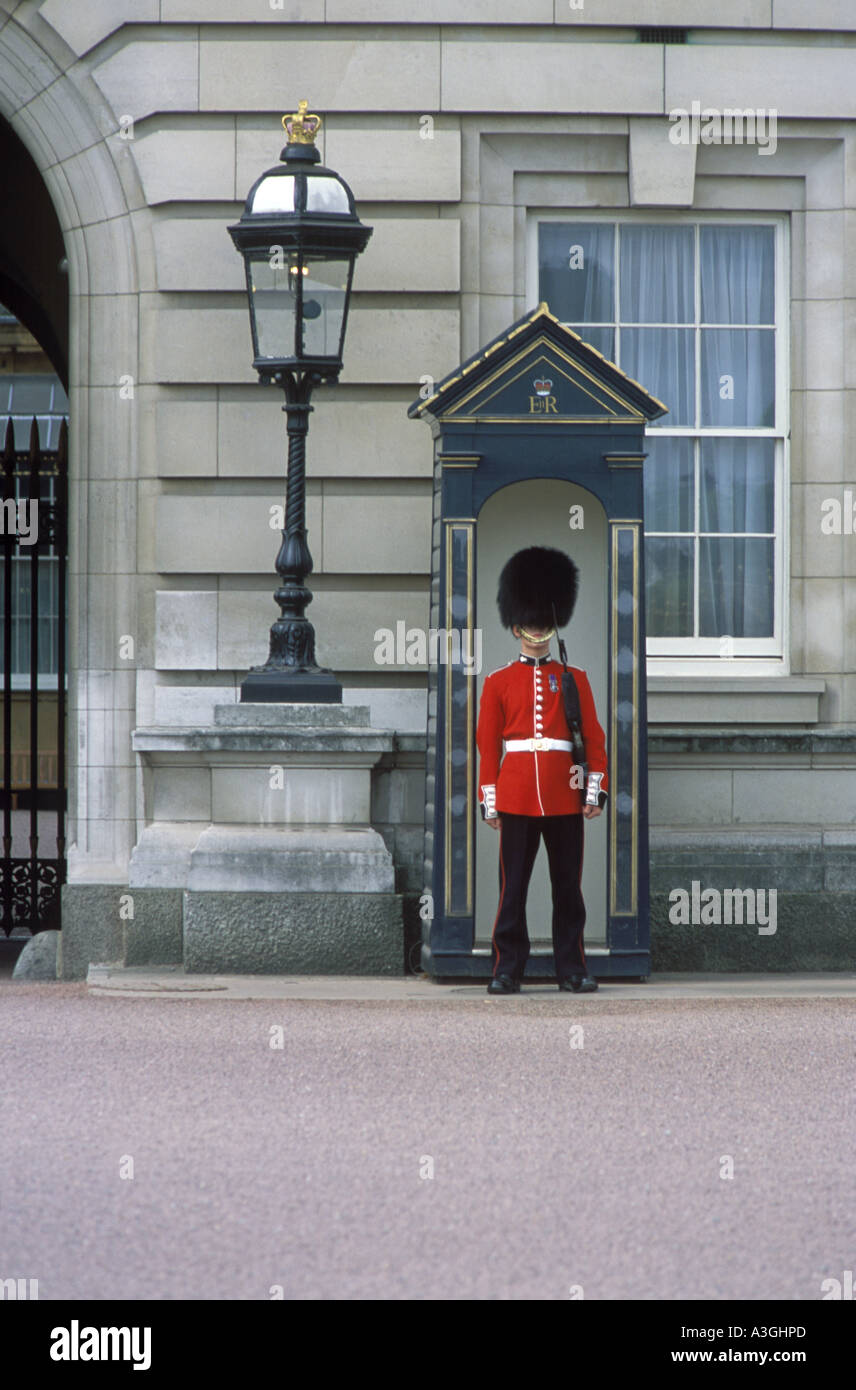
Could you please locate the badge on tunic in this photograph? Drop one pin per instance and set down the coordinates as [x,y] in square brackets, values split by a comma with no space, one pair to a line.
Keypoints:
[554,684]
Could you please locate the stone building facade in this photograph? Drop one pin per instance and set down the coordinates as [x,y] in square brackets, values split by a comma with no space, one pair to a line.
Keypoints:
[462,132]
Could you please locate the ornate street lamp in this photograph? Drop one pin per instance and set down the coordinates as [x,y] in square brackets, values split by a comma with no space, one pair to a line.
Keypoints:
[299,235]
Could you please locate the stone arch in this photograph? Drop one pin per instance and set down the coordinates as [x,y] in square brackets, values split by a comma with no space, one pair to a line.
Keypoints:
[48,100]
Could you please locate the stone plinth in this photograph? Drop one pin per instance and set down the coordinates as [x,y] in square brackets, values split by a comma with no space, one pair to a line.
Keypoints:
[262,820]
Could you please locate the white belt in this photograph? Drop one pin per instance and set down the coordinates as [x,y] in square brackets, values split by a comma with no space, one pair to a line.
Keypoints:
[535,745]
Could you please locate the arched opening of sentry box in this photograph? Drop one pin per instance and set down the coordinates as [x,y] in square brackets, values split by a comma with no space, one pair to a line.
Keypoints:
[552,512]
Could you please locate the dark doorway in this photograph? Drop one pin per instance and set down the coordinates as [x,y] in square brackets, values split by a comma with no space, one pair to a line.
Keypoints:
[33,550]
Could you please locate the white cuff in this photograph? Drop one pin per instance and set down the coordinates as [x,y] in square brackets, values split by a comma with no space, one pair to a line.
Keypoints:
[593,792]
[489,801]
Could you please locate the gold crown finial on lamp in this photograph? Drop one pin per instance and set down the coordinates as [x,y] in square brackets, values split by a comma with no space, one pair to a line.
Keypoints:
[300,126]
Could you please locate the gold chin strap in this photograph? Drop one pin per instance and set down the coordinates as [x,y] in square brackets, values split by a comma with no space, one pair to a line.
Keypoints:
[538,641]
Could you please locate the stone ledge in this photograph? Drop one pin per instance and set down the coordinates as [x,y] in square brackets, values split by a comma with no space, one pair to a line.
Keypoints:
[835,742]
[261,715]
[734,699]
[411,743]
[664,837]
[792,859]
[260,739]
[239,858]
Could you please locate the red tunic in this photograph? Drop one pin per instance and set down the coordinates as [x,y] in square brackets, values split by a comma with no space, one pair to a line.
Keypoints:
[524,700]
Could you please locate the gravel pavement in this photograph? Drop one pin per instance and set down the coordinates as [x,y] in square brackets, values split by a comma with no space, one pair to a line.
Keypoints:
[560,1158]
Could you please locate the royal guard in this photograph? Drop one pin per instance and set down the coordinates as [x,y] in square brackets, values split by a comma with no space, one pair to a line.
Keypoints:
[553,772]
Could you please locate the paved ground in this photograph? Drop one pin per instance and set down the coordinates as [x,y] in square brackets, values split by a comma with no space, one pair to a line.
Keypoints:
[307,1165]
[171,980]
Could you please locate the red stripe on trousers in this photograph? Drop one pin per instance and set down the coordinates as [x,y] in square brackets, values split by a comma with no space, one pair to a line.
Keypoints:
[499,909]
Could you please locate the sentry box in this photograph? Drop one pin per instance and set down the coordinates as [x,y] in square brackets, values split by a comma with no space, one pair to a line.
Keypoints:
[538,440]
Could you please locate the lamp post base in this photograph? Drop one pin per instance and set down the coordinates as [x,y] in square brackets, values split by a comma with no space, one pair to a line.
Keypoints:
[291,687]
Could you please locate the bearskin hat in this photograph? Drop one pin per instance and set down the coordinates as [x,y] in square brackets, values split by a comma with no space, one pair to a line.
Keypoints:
[532,582]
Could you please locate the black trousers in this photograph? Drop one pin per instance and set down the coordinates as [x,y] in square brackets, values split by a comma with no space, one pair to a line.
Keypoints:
[519,838]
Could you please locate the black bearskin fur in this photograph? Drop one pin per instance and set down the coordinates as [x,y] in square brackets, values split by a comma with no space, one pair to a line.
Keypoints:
[531,582]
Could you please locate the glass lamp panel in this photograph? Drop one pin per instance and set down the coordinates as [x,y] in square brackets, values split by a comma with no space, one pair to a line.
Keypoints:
[273,302]
[326,195]
[275,194]
[325,293]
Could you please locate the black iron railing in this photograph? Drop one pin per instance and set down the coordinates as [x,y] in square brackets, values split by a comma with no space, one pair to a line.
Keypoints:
[34,546]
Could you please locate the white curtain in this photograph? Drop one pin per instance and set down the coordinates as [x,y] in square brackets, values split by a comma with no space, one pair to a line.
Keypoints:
[737,271]
[735,587]
[663,361]
[657,283]
[738,377]
[736,573]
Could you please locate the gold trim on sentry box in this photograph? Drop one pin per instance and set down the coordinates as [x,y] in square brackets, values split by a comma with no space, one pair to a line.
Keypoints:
[633,527]
[504,378]
[542,309]
[526,364]
[544,420]
[467,525]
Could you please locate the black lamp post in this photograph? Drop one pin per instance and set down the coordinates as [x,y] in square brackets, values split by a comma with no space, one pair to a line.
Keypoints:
[299,235]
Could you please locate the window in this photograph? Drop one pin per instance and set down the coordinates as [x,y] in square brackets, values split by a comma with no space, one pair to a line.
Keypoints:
[21,398]
[690,309]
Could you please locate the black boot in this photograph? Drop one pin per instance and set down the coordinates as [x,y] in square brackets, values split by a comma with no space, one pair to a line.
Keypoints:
[503,984]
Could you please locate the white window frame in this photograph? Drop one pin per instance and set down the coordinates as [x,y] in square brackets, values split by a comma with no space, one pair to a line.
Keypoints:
[704,656]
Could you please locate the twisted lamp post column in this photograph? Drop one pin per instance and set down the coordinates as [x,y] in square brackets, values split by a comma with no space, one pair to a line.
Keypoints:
[291,671]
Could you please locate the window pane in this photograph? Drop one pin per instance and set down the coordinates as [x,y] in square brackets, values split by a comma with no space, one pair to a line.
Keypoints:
[601,338]
[576,270]
[21,625]
[32,395]
[736,484]
[663,361]
[669,586]
[738,384]
[668,479]
[735,588]
[657,275]
[737,270]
